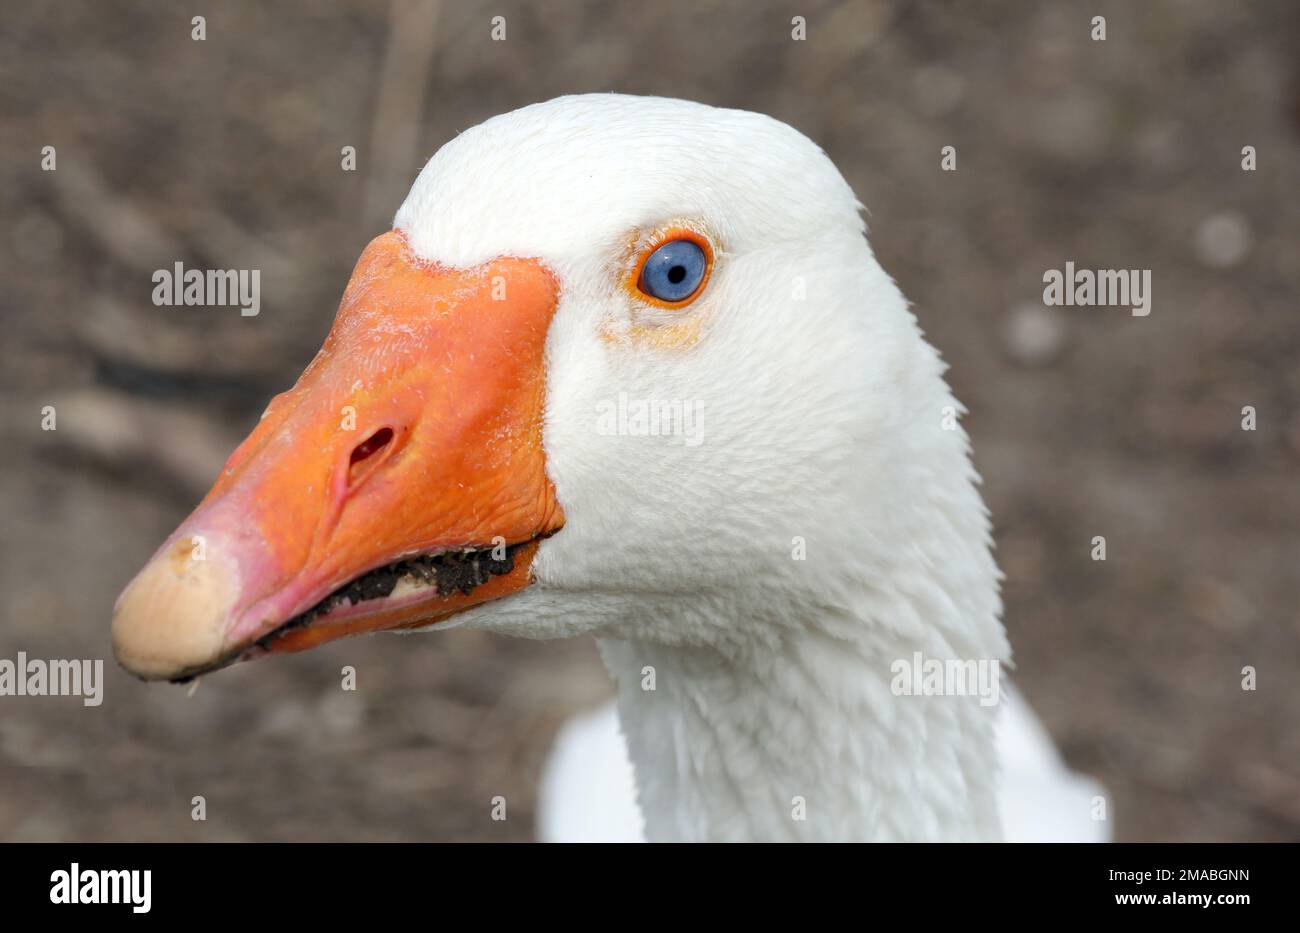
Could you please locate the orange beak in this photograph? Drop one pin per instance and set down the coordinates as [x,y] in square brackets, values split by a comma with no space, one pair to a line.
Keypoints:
[400,481]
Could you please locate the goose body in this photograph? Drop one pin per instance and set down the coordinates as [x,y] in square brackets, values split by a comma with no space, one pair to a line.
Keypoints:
[588,787]
[753,582]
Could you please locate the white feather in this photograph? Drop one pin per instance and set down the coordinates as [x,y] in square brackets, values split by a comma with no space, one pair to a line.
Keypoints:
[588,789]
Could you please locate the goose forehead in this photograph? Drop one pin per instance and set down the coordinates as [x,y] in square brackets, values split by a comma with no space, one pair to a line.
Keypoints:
[573,177]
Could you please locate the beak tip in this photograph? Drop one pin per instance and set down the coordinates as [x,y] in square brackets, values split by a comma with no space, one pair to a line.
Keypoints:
[171,619]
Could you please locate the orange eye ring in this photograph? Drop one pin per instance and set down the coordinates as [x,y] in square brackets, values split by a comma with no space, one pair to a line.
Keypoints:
[634,282]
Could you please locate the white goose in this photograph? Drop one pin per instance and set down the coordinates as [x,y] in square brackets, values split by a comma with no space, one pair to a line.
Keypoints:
[469,443]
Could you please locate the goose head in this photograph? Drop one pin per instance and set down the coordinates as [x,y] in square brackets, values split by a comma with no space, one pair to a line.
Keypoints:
[624,365]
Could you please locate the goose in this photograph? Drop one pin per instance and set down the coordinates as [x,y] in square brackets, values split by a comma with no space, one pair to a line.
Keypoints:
[628,367]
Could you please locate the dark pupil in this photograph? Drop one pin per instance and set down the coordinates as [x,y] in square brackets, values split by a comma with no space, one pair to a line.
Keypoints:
[676,274]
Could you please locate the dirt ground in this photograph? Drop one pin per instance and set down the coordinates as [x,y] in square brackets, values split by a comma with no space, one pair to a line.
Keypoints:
[225,154]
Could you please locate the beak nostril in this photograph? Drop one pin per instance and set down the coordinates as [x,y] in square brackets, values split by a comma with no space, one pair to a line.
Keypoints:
[369,447]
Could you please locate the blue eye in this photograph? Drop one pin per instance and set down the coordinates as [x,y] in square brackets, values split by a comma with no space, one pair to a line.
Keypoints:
[674,271]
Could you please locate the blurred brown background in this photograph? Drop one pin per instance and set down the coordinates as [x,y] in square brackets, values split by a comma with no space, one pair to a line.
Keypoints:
[226,154]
